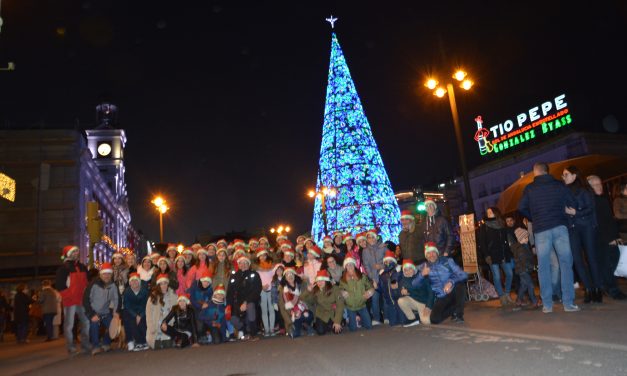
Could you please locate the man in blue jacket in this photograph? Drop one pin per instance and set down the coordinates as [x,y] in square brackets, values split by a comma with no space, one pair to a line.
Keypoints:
[447,282]
[546,202]
[134,314]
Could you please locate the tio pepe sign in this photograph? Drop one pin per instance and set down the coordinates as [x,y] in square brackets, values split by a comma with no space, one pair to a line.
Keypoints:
[539,120]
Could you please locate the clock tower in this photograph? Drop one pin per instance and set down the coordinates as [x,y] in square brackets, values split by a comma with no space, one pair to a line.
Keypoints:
[106,144]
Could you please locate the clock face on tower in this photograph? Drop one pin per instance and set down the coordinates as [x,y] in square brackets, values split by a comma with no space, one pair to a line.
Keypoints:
[104,149]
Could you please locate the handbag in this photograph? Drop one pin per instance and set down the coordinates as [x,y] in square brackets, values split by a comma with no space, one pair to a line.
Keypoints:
[115,327]
[621,268]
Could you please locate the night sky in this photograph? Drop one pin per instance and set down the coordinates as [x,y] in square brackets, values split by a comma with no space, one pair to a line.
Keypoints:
[223,102]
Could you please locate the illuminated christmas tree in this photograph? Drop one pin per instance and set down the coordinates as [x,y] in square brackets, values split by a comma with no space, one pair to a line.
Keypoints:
[350,164]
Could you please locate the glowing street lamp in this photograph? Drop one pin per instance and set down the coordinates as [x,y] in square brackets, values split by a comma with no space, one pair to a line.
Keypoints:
[280,229]
[465,83]
[322,194]
[162,207]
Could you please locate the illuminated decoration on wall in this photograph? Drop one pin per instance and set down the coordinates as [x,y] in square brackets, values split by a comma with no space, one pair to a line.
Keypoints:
[7,187]
[123,250]
[533,124]
[351,163]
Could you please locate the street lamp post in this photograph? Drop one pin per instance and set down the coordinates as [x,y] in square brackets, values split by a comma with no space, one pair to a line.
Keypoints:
[280,229]
[322,195]
[162,208]
[439,91]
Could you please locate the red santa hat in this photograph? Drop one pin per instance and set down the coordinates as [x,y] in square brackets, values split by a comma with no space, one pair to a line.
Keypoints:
[261,251]
[309,240]
[243,258]
[219,290]
[323,275]
[239,250]
[106,268]
[162,259]
[286,244]
[163,278]
[289,269]
[183,298]
[360,236]
[431,247]
[337,233]
[203,251]
[349,260]
[347,237]
[253,241]
[222,250]
[315,250]
[188,251]
[147,257]
[237,242]
[117,254]
[299,237]
[195,246]
[134,276]
[389,256]
[265,239]
[68,250]
[372,232]
[408,263]
[431,203]
[327,239]
[406,214]
[206,276]
[179,257]
[223,242]
[171,247]
[214,245]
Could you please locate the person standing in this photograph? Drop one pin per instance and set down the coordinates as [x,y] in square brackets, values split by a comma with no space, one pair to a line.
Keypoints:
[5,307]
[607,239]
[21,307]
[437,229]
[71,282]
[620,209]
[356,289]
[544,202]
[411,238]
[48,300]
[265,268]
[243,296]
[582,229]
[494,246]
[372,261]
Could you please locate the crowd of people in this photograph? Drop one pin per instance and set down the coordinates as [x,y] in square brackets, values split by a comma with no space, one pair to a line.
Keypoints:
[239,291]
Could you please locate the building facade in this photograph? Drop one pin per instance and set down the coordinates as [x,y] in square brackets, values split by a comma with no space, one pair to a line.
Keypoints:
[59,174]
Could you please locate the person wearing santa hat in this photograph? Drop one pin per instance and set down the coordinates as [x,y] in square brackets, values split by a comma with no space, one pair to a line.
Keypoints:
[312,265]
[145,271]
[237,253]
[120,271]
[188,253]
[71,282]
[438,230]
[134,300]
[447,282]
[163,267]
[411,238]
[102,302]
[243,297]
[339,248]
[200,296]
[221,268]
[294,310]
[180,323]
[161,300]
[215,317]
[372,261]
[222,243]
[265,268]
[253,243]
[131,262]
[328,301]
[170,253]
[330,263]
[415,299]
[327,244]
[288,254]
[202,264]
[212,250]
[300,243]
[353,251]
[356,290]
[388,288]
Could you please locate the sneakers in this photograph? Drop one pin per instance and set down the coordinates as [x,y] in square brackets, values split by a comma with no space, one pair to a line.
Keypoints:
[386,322]
[546,309]
[141,347]
[106,348]
[375,322]
[571,308]
[412,323]
[457,319]
[130,346]
[96,350]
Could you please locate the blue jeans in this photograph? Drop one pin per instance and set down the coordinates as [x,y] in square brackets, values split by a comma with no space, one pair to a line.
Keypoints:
[526,286]
[555,238]
[582,238]
[555,275]
[393,313]
[298,323]
[48,320]
[352,319]
[94,330]
[134,332]
[509,274]
[376,306]
[68,325]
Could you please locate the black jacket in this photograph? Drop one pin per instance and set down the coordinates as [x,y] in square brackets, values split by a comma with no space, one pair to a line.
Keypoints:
[438,231]
[21,305]
[60,281]
[184,321]
[494,242]
[608,226]
[544,202]
[244,286]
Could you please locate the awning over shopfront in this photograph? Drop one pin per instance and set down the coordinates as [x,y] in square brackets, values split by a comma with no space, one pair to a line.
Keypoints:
[605,166]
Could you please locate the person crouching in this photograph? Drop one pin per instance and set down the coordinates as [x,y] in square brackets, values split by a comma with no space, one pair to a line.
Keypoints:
[388,287]
[102,302]
[183,328]
[447,282]
[415,299]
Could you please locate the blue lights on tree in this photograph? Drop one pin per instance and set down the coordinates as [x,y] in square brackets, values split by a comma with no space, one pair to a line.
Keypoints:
[350,162]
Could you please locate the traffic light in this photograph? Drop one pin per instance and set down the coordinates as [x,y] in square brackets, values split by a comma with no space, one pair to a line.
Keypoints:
[421,207]
[94,223]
